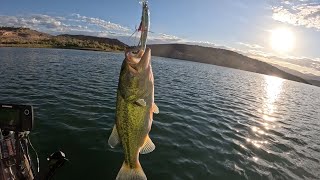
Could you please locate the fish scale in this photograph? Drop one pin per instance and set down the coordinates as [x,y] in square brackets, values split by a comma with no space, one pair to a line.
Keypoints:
[134,112]
[135,106]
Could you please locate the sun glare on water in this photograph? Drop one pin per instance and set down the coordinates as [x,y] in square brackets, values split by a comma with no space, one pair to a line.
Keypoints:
[282,40]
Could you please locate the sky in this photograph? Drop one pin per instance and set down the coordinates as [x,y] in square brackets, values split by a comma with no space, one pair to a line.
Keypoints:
[246,26]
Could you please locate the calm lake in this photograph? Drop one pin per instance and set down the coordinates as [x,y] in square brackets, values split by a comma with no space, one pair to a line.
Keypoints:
[214,122]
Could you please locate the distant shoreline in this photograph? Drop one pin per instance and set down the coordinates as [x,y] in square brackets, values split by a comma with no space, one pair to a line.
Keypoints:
[55,47]
[28,38]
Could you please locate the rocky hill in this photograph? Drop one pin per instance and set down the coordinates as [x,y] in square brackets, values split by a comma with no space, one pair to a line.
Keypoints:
[219,57]
[21,35]
[113,42]
[25,37]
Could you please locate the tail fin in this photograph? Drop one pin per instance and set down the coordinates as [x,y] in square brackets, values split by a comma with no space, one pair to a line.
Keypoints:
[126,173]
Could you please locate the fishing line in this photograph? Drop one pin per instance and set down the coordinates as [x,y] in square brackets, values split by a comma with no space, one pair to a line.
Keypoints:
[38,162]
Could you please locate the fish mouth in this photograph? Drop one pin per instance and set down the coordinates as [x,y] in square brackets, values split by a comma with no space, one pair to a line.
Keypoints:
[134,55]
[138,60]
[146,59]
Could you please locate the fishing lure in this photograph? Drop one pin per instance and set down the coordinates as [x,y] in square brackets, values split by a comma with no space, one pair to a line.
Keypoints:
[144,25]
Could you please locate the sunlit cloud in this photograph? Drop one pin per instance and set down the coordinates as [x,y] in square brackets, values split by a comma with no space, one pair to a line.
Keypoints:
[252,46]
[299,13]
[100,22]
[73,24]
[43,23]
[164,38]
[35,21]
[169,37]
[78,24]
[303,65]
[205,43]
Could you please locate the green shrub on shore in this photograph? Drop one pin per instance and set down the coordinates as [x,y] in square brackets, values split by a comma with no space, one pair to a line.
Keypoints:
[25,37]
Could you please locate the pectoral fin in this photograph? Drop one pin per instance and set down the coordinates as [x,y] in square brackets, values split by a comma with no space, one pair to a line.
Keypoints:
[148,146]
[141,102]
[114,138]
[155,108]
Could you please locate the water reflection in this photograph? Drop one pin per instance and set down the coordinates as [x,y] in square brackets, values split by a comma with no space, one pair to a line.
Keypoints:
[273,88]
[272,91]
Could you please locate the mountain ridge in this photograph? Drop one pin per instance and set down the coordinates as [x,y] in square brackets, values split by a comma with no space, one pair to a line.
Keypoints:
[220,57]
[25,37]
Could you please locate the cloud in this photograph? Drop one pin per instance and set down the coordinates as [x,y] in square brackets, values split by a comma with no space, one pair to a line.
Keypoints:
[164,36]
[107,25]
[160,38]
[309,66]
[72,24]
[303,65]
[40,22]
[299,13]
[252,46]
[78,24]
[43,20]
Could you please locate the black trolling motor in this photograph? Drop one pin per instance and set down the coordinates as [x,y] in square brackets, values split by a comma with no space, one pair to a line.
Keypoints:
[16,122]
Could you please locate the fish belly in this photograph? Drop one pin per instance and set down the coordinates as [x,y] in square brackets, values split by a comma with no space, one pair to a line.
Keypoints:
[133,127]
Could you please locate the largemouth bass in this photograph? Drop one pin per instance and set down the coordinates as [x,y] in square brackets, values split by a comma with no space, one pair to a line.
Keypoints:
[134,113]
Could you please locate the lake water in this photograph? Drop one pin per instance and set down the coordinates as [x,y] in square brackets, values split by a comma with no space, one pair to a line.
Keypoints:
[214,122]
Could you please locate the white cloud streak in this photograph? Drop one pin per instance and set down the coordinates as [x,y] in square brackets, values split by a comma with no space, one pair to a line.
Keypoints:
[107,25]
[305,66]
[74,24]
[78,24]
[251,46]
[41,22]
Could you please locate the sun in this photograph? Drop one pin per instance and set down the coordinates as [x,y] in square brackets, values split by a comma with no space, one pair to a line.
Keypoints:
[282,40]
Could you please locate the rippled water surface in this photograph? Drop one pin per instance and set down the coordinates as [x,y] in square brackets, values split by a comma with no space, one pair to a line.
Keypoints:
[214,122]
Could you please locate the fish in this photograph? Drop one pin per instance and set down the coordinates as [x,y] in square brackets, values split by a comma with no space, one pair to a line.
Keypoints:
[134,112]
